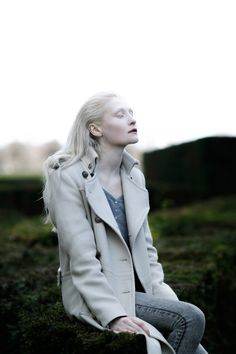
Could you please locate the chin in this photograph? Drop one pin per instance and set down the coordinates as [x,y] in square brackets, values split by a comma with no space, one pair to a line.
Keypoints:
[130,142]
[134,141]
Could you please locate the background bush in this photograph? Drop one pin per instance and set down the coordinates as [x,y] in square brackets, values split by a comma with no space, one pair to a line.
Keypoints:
[21,193]
[191,171]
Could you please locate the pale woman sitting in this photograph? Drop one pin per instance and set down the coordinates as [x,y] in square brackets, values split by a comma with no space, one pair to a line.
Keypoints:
[96,198]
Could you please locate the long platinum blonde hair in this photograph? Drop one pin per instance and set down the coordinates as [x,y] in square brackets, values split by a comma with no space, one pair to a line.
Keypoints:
[80,142]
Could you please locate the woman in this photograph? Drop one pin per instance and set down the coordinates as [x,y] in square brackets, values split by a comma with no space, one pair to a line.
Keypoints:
[97,201]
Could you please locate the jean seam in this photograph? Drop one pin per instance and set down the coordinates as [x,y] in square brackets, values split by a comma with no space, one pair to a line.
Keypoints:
[179,336]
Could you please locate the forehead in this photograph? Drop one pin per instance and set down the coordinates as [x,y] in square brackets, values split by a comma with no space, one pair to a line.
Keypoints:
[117,103]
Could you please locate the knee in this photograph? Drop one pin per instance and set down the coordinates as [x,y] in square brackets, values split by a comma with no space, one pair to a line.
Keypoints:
[197,317]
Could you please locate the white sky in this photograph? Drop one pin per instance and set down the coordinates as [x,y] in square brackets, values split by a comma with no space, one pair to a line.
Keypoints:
[174,61]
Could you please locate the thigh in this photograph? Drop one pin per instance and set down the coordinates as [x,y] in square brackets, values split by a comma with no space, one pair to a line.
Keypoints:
[165,314]
[180,322]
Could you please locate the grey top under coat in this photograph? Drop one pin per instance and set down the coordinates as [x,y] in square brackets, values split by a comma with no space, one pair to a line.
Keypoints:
[117,206]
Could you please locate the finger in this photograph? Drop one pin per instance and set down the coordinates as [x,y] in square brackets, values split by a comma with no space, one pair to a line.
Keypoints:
[141,324]
[145,329]
[128,325]
[135,328]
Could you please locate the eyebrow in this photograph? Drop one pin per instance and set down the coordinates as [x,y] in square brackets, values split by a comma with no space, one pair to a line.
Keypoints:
[123,110]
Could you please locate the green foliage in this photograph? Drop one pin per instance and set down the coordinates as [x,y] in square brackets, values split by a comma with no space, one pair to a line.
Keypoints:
[196,246]
[47,329]
[201,218]
[32,231]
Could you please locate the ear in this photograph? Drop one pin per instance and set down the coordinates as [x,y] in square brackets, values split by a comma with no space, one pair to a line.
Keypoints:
[95,130]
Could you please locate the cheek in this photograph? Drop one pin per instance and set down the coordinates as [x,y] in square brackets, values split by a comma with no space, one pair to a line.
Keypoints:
[113,128]
[114,134]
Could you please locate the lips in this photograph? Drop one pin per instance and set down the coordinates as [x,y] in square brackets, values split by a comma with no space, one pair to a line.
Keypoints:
[133,131]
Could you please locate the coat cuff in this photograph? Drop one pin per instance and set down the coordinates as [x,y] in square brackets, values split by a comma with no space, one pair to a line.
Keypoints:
[111,316]
[109,324]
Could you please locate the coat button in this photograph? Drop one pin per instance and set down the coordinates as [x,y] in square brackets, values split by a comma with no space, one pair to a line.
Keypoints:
[97,219]
[90,166]
[85,174]
[56,166]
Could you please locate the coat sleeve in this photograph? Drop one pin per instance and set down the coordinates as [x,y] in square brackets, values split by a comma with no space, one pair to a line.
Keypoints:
[77,240]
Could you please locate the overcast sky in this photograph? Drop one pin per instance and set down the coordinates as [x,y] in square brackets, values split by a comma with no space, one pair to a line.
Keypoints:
[174,61]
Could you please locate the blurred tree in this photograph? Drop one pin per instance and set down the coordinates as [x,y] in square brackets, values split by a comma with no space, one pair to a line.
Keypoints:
[19,158]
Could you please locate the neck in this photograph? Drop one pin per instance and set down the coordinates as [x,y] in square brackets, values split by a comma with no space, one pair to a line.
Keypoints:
[109,161]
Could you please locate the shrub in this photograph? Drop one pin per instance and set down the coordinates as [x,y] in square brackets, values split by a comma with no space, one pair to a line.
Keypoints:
[21,193]
[191,171]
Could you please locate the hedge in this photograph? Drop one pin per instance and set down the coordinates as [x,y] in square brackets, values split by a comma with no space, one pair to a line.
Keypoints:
[191,171]
[22,193]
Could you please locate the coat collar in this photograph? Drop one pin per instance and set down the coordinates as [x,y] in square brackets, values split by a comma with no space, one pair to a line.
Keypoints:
[128,162]
[89,162]
[135,196]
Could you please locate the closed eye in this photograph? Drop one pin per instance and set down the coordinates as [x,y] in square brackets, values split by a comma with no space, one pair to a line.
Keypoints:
[122,112]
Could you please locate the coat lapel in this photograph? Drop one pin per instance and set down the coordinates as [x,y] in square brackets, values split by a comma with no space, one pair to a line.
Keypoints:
[98,202]
[136,203]
[135,197]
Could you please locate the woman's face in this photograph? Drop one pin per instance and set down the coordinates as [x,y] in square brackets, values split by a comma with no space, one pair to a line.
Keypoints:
[118,126]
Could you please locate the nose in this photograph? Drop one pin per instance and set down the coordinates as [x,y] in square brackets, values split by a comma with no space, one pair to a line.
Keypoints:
[132,121]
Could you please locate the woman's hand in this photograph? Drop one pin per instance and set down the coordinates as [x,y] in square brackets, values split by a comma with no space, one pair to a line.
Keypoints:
[129,324]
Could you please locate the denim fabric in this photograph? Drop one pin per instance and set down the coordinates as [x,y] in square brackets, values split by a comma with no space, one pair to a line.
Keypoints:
[181,323]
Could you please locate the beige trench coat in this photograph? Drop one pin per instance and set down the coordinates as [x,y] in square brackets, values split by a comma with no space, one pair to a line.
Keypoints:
[97,277]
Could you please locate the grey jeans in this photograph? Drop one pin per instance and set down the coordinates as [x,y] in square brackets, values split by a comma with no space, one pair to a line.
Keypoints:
[181,323]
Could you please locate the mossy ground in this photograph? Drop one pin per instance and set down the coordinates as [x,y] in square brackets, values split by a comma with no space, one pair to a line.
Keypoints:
[197,247]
